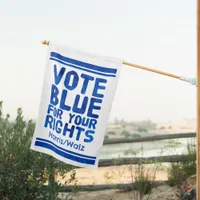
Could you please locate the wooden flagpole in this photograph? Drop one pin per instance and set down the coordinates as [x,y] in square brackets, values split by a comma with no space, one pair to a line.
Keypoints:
[45,42]
[198,105]
[151,70]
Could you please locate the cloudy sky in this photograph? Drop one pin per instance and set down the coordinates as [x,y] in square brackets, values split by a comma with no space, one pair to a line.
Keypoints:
[154,33]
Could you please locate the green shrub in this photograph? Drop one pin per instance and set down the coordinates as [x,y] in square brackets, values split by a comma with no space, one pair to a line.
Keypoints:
[126,134]
[143,179]
[25,174]
[140,129]
[143,184]
[179,172]
[175,174]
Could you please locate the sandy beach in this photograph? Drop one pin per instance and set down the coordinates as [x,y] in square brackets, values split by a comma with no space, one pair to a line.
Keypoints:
[111,175]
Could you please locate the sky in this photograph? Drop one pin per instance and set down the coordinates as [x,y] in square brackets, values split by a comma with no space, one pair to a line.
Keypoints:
[160,34]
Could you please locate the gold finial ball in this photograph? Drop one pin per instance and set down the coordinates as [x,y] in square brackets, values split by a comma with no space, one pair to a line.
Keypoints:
[45,42]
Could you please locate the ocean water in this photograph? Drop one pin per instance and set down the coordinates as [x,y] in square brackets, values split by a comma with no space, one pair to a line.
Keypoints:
[153,148]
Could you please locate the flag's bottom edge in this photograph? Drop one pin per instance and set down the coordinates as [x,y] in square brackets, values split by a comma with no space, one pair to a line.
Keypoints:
[62,159]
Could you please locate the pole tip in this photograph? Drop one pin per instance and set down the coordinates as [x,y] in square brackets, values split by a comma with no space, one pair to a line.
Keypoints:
[45,42]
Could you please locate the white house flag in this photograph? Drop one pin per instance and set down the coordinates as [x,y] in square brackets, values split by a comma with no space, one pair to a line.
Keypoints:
[76,100]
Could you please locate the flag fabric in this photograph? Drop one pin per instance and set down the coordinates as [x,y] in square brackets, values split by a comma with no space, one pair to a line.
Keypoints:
[76,100]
